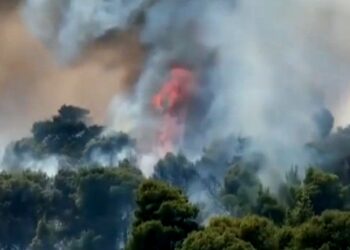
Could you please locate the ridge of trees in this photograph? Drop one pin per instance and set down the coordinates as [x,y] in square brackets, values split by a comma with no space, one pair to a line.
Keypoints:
[216,203]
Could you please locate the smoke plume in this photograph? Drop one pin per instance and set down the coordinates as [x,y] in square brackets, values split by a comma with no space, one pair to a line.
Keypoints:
[267,71]
[33,85]
[264,71]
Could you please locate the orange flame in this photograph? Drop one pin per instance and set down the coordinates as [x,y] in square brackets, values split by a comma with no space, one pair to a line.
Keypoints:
[172,101]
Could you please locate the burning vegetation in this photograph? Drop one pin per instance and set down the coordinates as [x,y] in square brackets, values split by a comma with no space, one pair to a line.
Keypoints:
[215,109]
[171,102]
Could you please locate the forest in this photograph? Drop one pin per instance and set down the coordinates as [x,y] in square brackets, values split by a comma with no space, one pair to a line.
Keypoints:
[196,125]
[105,202]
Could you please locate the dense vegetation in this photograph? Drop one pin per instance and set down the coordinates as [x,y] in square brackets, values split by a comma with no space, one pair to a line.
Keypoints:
[94,209]
[216,203]
[70,211]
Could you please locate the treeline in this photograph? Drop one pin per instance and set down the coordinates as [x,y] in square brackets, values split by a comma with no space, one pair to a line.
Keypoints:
[166,220]
[99,199]
[68,139]
[116,208]
[83,209]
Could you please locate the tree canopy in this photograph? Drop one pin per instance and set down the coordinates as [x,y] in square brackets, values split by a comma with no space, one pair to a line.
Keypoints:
[98,197]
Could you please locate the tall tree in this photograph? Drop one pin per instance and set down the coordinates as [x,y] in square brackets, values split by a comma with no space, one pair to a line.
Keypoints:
[176,170]
[324,190]
[105,202]
[330,231]
[24,198]
[163,217]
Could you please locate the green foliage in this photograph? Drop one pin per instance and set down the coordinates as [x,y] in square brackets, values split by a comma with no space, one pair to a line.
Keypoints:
[105,201]
[23,201]
[330,231]
[259,231]
[250,232]
[92,208]
[241,187]
[214,239]
[285,237]
[324,190]
[154,235]
[303,210]
[238,178]
[318,192]
[67,133]
[88,205]
[97,200]
[69,136]
[287,191]
[176,170]
[269,207]
[44,238]
[164,210]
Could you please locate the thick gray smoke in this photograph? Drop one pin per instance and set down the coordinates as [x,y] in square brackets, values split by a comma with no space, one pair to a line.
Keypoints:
[68,26]
[264,69]
[33,85]
[276,66]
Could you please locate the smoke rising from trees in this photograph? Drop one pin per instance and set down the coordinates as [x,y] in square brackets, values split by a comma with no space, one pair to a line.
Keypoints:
[260,78]
[268,87]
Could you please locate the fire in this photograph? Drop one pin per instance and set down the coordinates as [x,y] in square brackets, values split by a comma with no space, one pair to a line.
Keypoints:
[172,102]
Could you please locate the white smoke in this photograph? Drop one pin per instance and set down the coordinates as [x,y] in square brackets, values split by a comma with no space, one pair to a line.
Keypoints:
[277,67]
[67,26]
[275,64]
[49,164]
[99,158]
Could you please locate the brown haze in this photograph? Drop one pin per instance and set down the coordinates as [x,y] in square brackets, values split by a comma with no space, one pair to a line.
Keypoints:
[33,86]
